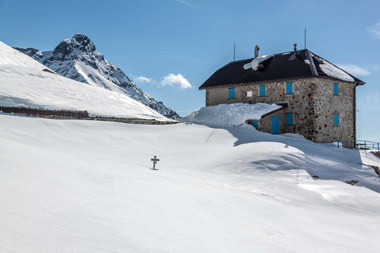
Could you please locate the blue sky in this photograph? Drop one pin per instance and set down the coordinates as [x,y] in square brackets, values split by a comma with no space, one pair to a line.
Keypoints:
[190,39]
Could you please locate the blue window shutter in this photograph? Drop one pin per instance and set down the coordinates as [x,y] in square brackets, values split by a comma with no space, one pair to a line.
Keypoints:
[289,88]
[231,93]
[336,119]
[262,90]
[336,88]
[289,119]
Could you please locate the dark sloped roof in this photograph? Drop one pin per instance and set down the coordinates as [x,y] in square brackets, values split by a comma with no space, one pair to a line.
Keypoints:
[280,66]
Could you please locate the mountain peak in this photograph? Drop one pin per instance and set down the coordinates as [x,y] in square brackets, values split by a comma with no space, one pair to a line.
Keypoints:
[79,42]
[78,59]
[83,41]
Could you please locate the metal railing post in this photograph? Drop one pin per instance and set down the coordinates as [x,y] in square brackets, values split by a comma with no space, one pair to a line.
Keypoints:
[338,143]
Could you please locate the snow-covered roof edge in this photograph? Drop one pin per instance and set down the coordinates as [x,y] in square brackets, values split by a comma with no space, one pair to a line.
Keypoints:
[352,78]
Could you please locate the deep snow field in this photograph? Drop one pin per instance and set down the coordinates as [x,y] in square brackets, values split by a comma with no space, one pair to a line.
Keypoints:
[87,186]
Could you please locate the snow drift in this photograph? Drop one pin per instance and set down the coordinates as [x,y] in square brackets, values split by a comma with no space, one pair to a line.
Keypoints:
[229,114]
[26,82]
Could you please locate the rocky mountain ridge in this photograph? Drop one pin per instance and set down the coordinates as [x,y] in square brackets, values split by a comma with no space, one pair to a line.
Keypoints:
[78,59]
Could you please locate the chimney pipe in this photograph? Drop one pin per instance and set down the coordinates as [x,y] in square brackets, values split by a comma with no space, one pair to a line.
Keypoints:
[295,48]
[257,51]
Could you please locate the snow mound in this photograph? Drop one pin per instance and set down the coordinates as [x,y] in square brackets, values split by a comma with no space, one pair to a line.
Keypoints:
[26,82]
[333,71]
[229,114]
[256,62]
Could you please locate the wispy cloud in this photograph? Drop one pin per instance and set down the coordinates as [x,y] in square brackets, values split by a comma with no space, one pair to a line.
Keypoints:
[176,80]
[371,103]
[143,79]
[185,2]
[355,69]
[375,30]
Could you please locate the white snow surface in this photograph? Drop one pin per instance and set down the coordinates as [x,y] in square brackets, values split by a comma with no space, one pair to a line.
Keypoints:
[87,186]
[229,114]
[254,64]
[334,71]
[24,83]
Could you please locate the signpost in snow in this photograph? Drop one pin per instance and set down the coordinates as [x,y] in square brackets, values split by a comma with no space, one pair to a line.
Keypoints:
[155,160]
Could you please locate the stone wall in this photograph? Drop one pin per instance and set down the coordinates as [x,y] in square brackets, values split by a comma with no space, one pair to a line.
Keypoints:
[300,103]
[80,115]
[327,104]
[312,103]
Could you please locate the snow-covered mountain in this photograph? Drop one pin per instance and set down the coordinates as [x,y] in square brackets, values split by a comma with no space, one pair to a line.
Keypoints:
[78,59]
[26,82]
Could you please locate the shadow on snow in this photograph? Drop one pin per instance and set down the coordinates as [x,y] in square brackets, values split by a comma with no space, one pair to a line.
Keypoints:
[322,161]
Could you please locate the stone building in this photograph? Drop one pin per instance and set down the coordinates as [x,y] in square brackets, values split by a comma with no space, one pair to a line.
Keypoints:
[317,98]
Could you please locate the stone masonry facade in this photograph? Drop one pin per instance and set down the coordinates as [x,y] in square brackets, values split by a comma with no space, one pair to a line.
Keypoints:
[312,103]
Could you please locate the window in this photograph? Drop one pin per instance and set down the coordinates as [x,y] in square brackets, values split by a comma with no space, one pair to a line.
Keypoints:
[231,93]
[336,88]
[289,88]
[249,93]
[289,119]
[262,90]
[336,119]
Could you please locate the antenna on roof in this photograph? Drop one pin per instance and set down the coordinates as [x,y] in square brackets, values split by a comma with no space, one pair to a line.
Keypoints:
[234,51]
[305,38]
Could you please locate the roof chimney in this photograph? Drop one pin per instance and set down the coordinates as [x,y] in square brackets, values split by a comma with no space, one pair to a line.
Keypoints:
[257,51]
[295,48]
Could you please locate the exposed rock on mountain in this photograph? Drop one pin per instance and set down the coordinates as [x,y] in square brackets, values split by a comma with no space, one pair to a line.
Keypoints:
[78,59]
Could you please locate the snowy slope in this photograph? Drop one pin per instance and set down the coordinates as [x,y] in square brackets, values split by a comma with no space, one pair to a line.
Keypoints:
[86,186]
[26,82]
[78,59]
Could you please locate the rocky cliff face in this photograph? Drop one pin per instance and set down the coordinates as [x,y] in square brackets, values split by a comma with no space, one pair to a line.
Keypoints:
[78,59]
